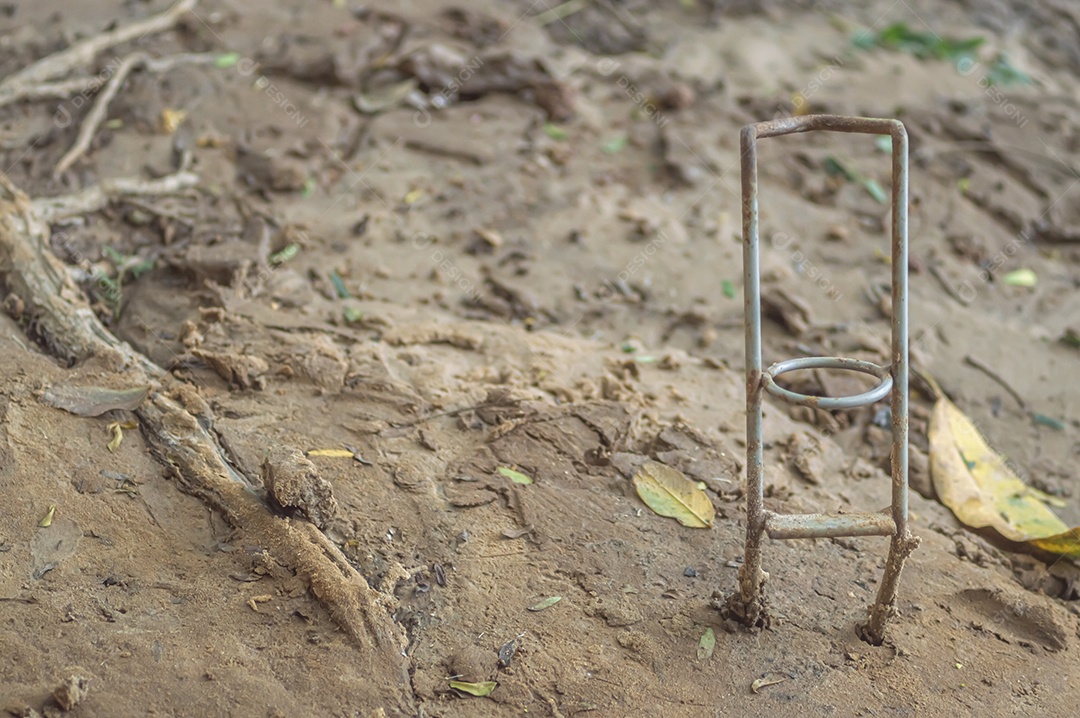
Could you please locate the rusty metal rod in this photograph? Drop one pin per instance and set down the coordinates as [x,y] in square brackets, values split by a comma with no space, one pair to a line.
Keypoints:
[828,402]
[796,526]
[749,602]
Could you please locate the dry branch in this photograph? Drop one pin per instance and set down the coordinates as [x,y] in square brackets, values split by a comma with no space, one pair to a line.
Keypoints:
[101,103]
[25,82]
[92,199]
[97,112]
[59,314]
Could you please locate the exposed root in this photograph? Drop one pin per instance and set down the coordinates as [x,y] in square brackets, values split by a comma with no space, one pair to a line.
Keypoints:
[92,199]
[27,82]
[59,312]
[100,109]
[98,112]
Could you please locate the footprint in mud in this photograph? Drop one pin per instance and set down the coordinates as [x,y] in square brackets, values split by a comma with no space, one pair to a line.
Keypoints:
[1013,619]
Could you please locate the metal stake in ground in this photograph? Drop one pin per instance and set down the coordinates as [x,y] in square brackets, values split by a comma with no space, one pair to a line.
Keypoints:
[748,604]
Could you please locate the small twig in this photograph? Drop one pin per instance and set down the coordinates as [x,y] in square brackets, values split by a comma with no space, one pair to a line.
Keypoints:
[26,81]
[62,89]
[451,412]
[92,199]
[946,284]
[972,361]
[160,212]
[98,112]
[54,90]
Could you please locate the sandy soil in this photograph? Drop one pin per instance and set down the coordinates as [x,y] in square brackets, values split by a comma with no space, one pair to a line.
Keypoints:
[533,271]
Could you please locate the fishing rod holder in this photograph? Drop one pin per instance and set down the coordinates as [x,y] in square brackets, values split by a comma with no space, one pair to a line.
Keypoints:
[749,604]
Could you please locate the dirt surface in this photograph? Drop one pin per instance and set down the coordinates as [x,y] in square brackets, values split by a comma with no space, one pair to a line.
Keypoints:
[443,239]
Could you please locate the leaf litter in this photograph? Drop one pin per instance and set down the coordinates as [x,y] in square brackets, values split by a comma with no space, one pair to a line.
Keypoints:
[93,400]
[669,493]
[980,488]
[484,688]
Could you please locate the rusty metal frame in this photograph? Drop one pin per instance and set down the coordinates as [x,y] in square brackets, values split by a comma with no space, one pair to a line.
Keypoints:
[749,602]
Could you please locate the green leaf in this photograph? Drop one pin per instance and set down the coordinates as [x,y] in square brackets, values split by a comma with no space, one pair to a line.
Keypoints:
[834,168]
[1021,278]
[865,40]
[1045,420]
[728,288]
[900,37]
[1003,73]
[875,190]
[339,285]
[352,315]
[706,645]
[545,604]
[554,131]
[227,60]
[614,145]
[516,476]
[285,254]
[474,689]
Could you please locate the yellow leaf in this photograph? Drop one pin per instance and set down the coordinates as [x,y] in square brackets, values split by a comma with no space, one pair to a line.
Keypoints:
[413,196]
[46,520]
[117,436]
[475,689]
[332,453]
[979,487]
[668,493]
[172,119]
[516,476]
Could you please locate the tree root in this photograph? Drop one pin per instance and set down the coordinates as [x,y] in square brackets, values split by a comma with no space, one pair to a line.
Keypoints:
[97,113]
[27,82]
[59,314]
[92,199]
[100,109]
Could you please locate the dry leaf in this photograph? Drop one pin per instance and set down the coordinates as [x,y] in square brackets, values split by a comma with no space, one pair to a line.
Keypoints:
[546,603]
[762,682]
[669,493]
[254,601]
[116,429]
[333,453]
[979,487]
[93,400]
[474,689]
[46,520]
[172,119]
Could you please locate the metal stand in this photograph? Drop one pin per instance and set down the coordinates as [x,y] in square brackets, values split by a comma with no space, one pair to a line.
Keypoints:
[749,604]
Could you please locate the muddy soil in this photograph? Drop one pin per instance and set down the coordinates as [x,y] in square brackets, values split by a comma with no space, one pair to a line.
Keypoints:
[433,240]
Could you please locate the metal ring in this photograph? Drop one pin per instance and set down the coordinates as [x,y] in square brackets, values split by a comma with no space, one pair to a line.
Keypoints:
[827,402]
